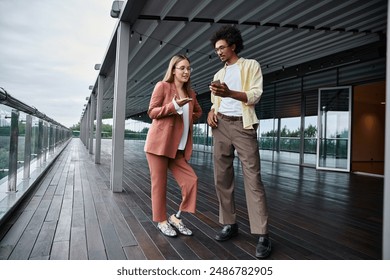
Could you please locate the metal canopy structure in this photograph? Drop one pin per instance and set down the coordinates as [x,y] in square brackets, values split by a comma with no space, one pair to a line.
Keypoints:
[296,38]
[289,39]
[280,34]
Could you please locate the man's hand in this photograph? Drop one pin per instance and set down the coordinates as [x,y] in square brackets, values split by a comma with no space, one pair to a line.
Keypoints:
[220,89]
[212,119]
[223,90]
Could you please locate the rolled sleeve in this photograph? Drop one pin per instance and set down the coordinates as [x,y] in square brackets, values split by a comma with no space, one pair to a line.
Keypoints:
[253,84]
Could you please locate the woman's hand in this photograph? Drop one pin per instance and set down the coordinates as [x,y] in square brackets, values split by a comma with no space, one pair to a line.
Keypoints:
[182,101]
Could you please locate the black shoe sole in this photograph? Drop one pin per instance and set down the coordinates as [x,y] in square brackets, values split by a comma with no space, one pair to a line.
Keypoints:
[226,238]
[265,254]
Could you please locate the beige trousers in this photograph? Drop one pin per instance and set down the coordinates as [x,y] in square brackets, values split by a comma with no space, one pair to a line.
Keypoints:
[230,136]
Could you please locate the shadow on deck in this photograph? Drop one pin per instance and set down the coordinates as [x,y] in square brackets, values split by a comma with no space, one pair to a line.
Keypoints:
[72,214]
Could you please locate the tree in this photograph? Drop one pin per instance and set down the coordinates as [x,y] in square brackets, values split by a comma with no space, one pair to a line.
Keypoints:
[310,131]
[75,127]
[198,130]
[145,130]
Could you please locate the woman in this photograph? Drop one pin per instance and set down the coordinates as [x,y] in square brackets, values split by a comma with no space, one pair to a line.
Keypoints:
[173,108]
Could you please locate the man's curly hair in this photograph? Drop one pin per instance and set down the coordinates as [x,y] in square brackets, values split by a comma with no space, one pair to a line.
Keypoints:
[231,34]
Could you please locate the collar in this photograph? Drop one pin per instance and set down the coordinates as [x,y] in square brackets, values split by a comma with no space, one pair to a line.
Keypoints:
[239,62]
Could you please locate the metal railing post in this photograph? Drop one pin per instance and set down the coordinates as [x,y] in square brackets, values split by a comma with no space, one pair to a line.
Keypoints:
[13,151]
[40,140]
[45,141]
[27,147]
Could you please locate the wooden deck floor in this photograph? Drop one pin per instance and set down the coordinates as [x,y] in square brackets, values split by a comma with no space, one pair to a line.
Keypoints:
[72,214]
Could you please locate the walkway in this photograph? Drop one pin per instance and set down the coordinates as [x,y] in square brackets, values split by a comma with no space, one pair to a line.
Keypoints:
[72,214]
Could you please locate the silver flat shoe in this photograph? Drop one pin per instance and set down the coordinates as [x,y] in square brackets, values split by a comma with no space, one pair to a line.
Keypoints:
[166,229]
[180,226]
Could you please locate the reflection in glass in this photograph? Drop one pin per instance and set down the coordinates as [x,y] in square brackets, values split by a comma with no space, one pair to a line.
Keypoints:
[21,139]
[34,138]
[310,140]
[267,138]
[290,140]
[334,128]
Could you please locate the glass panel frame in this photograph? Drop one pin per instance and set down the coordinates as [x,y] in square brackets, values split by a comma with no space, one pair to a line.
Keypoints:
[334,128]
[310,136]
[5,132]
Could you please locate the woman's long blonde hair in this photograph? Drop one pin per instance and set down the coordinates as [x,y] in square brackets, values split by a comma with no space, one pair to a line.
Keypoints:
[169,77]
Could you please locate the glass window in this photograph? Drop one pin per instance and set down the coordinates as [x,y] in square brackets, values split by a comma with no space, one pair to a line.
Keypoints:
[267,138]
[290,140]
[334,130]
[21,139]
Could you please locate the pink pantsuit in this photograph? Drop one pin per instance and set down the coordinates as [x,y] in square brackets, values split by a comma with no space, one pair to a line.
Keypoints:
[162,152]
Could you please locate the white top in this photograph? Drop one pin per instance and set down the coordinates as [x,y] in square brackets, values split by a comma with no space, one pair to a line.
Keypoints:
[186,119]
[230,106]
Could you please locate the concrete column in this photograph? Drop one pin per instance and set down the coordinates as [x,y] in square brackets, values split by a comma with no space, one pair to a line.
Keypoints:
[82,129]
[119,104]
[91,122]
[99,114]
[87,127]
[386,196]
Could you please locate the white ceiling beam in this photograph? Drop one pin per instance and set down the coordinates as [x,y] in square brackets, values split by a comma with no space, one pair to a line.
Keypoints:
[201,5]
[295,49]
[167,8]
[327,12]
[282,11]
[305,12]
[228,9]
[347,15]
[332,46]
[357,18]
[339,46]
[152,54]
[158,65]
[255,11]
[363,23]
[380,24]
[145,38]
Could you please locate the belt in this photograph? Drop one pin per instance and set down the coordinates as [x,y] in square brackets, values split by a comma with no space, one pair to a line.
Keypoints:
[229,118]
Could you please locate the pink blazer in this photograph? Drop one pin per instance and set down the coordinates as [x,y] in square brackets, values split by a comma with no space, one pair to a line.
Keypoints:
[167,126]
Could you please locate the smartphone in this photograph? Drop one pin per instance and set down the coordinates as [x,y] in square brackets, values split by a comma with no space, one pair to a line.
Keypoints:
[216,82]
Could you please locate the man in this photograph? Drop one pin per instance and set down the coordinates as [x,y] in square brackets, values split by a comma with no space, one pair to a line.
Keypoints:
[237,87]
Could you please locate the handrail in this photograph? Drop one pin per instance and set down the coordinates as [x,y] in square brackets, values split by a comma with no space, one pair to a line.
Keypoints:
[7,99]
[49,135]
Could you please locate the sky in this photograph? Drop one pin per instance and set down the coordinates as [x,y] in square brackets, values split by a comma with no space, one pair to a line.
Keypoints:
[48,50]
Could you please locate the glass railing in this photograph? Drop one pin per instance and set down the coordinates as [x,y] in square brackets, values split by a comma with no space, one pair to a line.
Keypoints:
[289,144]
[29,141]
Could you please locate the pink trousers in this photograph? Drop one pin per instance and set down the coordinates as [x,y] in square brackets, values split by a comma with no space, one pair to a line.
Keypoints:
[184,176]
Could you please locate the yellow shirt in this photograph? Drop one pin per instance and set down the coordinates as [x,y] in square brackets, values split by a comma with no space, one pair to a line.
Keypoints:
[252,85]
